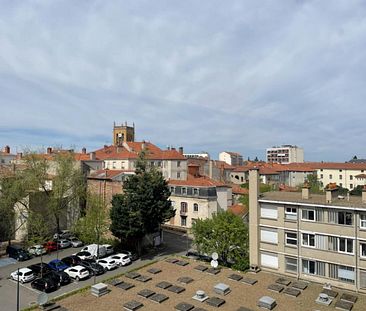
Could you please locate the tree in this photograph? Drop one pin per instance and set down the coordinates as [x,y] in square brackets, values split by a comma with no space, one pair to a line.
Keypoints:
[314,183]
[94,224]
[143,206]
[224,233]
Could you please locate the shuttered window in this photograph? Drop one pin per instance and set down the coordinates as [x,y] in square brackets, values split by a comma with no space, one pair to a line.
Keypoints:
[320,242]
[269,260]
[362,278]
[269,211]
[346,274]
[269,235]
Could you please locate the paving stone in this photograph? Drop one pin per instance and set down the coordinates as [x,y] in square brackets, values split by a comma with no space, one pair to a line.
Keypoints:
[154,271]
[213,271]
[176,289]
[293,292]
[344,305]
[215,302]
[349,298]
[159,298]
[132,275]
[198,309]
[235,277]
[266,302]
[132,305]
[201,268]
[163,285]
[115,282]
[283,281]
[143,278]
[185,280]
[172,260]
[183,306]
[125,286]
[275,288]
[249,281]
[244,309]
[146,293]
[331,293]
[299,285]
[182,263]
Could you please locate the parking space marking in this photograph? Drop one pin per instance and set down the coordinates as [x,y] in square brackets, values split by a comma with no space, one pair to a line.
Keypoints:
[25,286]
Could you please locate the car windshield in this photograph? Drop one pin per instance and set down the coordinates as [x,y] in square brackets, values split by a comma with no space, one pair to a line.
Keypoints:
[82,270]
[28,273]
[58,264]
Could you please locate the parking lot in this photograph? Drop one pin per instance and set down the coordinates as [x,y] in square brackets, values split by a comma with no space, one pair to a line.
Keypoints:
[28,296]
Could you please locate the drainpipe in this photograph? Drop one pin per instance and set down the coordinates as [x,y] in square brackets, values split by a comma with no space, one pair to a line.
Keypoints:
[356,251]
[298,243]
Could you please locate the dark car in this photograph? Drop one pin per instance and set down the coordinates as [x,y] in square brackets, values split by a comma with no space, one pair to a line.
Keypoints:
[57,265]
[59,277]
[45,284]
[93,267]
[18,253]
[40,269]
[72,260]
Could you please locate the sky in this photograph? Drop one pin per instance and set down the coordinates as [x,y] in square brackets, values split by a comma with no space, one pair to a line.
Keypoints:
[208,75]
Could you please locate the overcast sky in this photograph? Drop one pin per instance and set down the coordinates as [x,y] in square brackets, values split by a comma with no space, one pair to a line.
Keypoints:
[207,75]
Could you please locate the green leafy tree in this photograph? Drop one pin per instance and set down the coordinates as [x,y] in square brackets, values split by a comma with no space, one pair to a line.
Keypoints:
[313,182]
[224,233]
[143,206]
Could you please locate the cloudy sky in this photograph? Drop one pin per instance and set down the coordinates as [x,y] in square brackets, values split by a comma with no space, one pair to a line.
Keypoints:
[207,75]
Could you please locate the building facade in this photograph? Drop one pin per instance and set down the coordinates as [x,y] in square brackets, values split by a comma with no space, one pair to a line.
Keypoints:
[6,157]
[285,154]
[231,158]
[319,238]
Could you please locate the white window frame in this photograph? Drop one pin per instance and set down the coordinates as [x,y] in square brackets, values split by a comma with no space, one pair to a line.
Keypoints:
[306,262]
[290,215]
[363,222]
[291,238]
[291,264]
[272,212]
[308,210]
[346,246]
[307,239]
[362,245]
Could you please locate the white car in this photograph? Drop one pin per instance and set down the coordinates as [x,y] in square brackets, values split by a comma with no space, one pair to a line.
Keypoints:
[64,243]
[109,249]
[25,275]
[84,255]
[63,234]
[75,242]
[37,250]
[121,259]
[77,272]
[107,263]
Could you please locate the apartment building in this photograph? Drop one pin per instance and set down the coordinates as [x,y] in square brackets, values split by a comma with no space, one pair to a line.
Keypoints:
[5,156]
[319,238]
[231,158]
[285,154]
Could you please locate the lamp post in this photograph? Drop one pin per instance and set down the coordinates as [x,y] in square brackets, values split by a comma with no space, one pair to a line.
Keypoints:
[18,290]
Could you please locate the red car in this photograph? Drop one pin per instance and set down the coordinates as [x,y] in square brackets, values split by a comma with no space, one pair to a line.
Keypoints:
[50,246]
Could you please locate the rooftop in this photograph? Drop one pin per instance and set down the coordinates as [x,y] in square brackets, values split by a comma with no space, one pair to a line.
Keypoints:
[200,181]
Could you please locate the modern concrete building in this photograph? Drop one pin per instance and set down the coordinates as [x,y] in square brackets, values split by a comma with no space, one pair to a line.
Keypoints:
[319,238]
[5,156]
[285,154]
[231,158]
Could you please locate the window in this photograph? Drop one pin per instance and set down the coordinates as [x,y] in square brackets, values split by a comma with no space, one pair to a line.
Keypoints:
[183,207]
[308,266]
[340,176]
[350,177]
[183,220]
[172,189]
[269,260]
[332,243]
[178,175]
[195,191]
[321,175]
[345,218]
[351,186]
[291,264]
[178,163]
[195,207]
[184,190]
[346,274]
[308,214]
[291,213]
[308,239]
[340,184]
[363,250]
[362,278]
[269,211]
[345,245]
[291,238]
[151,163]
[269,235]
[363,221]
[330,176]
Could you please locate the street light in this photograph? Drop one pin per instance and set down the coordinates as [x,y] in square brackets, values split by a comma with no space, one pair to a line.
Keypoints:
[18,290]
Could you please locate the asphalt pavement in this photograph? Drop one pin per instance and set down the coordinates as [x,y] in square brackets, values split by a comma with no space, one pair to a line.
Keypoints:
[173,244]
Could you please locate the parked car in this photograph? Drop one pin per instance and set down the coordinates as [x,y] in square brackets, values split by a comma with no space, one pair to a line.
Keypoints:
[50,246]
[17,252]
[133,256]
[45,284]
[84,255]
[107,263]
[57,265]
[77,272]
[72,260]
[75,242]
[121,259]
[63,234]
[63,243]
[59,277]
[37,250]
[24,275]
[93,249]
[93,267]
[109,249]
[39,269]
[192,253]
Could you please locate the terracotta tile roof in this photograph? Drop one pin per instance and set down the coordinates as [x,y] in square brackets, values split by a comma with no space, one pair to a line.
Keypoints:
[108,174]
[337,165]
[361,176]
[236,189]
[263,169]
[239,209]
[201,181]
[222,165]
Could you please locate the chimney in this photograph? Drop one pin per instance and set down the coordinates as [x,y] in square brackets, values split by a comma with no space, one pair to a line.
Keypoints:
[83,151]
[7,149]
[254,217]
[173,148]
[364,194]
[92,156]
[49,150]
[331,191]
[143,145]
[305,191]
[181,150]
[19,155]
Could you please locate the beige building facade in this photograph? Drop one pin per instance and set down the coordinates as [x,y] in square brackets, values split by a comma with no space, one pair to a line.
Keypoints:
[312,237]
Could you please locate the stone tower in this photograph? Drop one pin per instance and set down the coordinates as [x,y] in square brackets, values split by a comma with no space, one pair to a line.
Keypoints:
[123,133]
